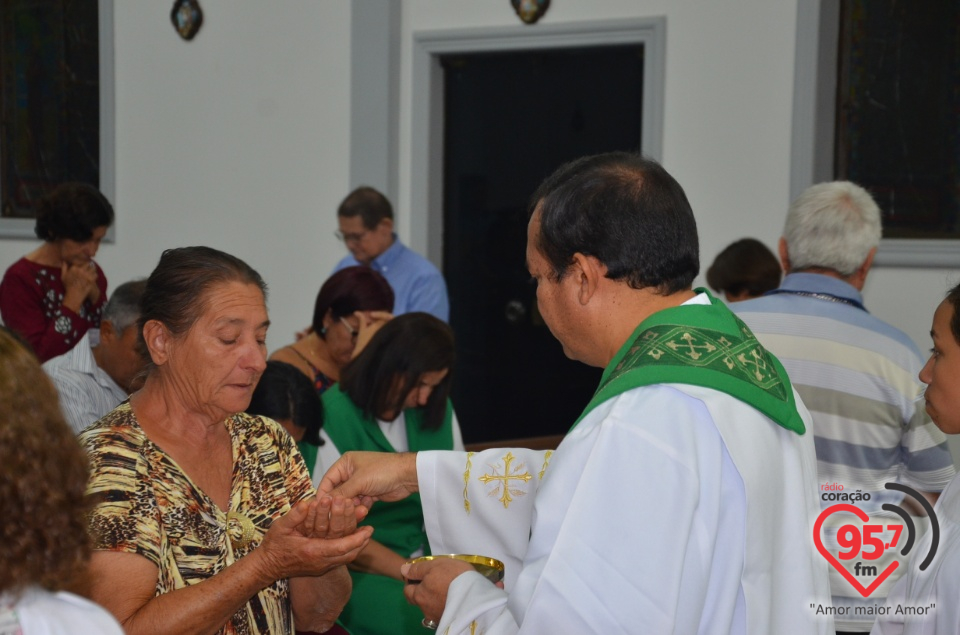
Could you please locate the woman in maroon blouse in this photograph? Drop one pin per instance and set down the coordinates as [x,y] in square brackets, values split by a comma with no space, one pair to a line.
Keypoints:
[54,294]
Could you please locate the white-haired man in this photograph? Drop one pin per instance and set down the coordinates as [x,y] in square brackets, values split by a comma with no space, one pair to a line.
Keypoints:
[855,373]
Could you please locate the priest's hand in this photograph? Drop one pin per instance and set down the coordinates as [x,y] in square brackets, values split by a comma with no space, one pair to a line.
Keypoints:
[427,584]
[369,476]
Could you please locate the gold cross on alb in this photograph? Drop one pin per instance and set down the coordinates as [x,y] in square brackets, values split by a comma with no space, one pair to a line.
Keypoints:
[505,479]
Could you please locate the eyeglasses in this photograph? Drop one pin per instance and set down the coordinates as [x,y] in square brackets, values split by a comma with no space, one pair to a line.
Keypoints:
[346,325]
[351,238]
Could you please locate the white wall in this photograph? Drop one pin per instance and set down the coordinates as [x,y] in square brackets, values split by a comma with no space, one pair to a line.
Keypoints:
[238,140]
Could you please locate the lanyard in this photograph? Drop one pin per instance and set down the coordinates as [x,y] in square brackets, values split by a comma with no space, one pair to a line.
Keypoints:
[829,297]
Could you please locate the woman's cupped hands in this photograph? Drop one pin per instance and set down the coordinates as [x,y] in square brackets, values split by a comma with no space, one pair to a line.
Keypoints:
[315,536]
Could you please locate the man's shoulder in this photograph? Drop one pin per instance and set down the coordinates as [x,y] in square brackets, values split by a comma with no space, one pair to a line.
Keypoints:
[803,317]
[415,263]
[655,403]
[679,421]
[65,369]
[346,261]
[76,365]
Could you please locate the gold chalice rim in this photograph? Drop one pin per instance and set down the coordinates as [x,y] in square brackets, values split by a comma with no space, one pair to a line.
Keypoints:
[490,568]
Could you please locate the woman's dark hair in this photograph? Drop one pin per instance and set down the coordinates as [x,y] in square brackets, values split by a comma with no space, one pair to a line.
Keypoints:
[72,211]
[745,265]
[177,290]
[44,539]
[285,393]
[626,211]
[953,297]
[379,379]
[349,290]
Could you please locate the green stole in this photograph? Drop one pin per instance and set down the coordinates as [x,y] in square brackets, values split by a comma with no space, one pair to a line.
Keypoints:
[309,453]
[701,345]
[377,604]
[399,525]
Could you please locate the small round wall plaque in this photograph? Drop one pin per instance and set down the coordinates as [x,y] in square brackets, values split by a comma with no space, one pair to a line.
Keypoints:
[530,10]
[187,17]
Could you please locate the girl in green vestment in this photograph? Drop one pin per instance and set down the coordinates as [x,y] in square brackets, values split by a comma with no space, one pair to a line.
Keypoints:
[288,397]
[393,398]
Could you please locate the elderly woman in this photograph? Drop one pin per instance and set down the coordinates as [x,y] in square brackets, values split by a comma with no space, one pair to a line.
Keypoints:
[392,398]
[44,546]
[205,518]
[939,583]
[351,305]
[54,294]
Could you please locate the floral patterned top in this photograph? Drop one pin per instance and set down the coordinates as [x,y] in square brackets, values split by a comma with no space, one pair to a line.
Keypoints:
[145,504]
[31,303]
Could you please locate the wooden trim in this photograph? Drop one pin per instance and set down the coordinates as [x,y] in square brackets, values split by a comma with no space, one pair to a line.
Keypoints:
[533,443]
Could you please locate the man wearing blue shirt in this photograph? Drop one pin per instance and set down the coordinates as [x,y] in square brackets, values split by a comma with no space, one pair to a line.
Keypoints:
[365,218]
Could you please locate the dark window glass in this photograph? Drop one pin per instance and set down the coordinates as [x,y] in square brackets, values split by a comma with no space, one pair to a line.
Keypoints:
[898,111]
[49,99]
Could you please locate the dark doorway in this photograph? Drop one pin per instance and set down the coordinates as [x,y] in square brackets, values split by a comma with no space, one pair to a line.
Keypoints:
[511,119]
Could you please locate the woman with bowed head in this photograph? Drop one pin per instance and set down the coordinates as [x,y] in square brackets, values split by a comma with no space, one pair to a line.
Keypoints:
[392,398]
[205,519]
[285,395]
[350,307]
[44,545]
[925,602]
[54,294]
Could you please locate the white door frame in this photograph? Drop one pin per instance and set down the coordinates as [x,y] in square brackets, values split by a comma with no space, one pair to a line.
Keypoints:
[427,125]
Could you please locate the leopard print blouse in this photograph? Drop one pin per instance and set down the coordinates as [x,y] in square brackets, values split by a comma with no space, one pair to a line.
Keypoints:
[145,504]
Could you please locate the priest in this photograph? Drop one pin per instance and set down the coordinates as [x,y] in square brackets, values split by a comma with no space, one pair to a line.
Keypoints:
[683,498]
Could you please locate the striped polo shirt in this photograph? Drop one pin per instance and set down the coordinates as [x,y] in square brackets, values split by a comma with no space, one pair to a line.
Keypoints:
[858,377]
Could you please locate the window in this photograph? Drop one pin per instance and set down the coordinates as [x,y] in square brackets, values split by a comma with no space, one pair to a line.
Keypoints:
[876,100]
[52,102]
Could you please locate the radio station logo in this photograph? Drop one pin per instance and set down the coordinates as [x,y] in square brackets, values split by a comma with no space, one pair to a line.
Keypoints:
[861,544]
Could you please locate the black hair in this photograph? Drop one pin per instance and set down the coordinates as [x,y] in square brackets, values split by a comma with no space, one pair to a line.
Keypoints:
[379,379]
[953,297]
[626,211]
[72,211]
[351,289]
[745,265]
[285,393]
[367,203]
